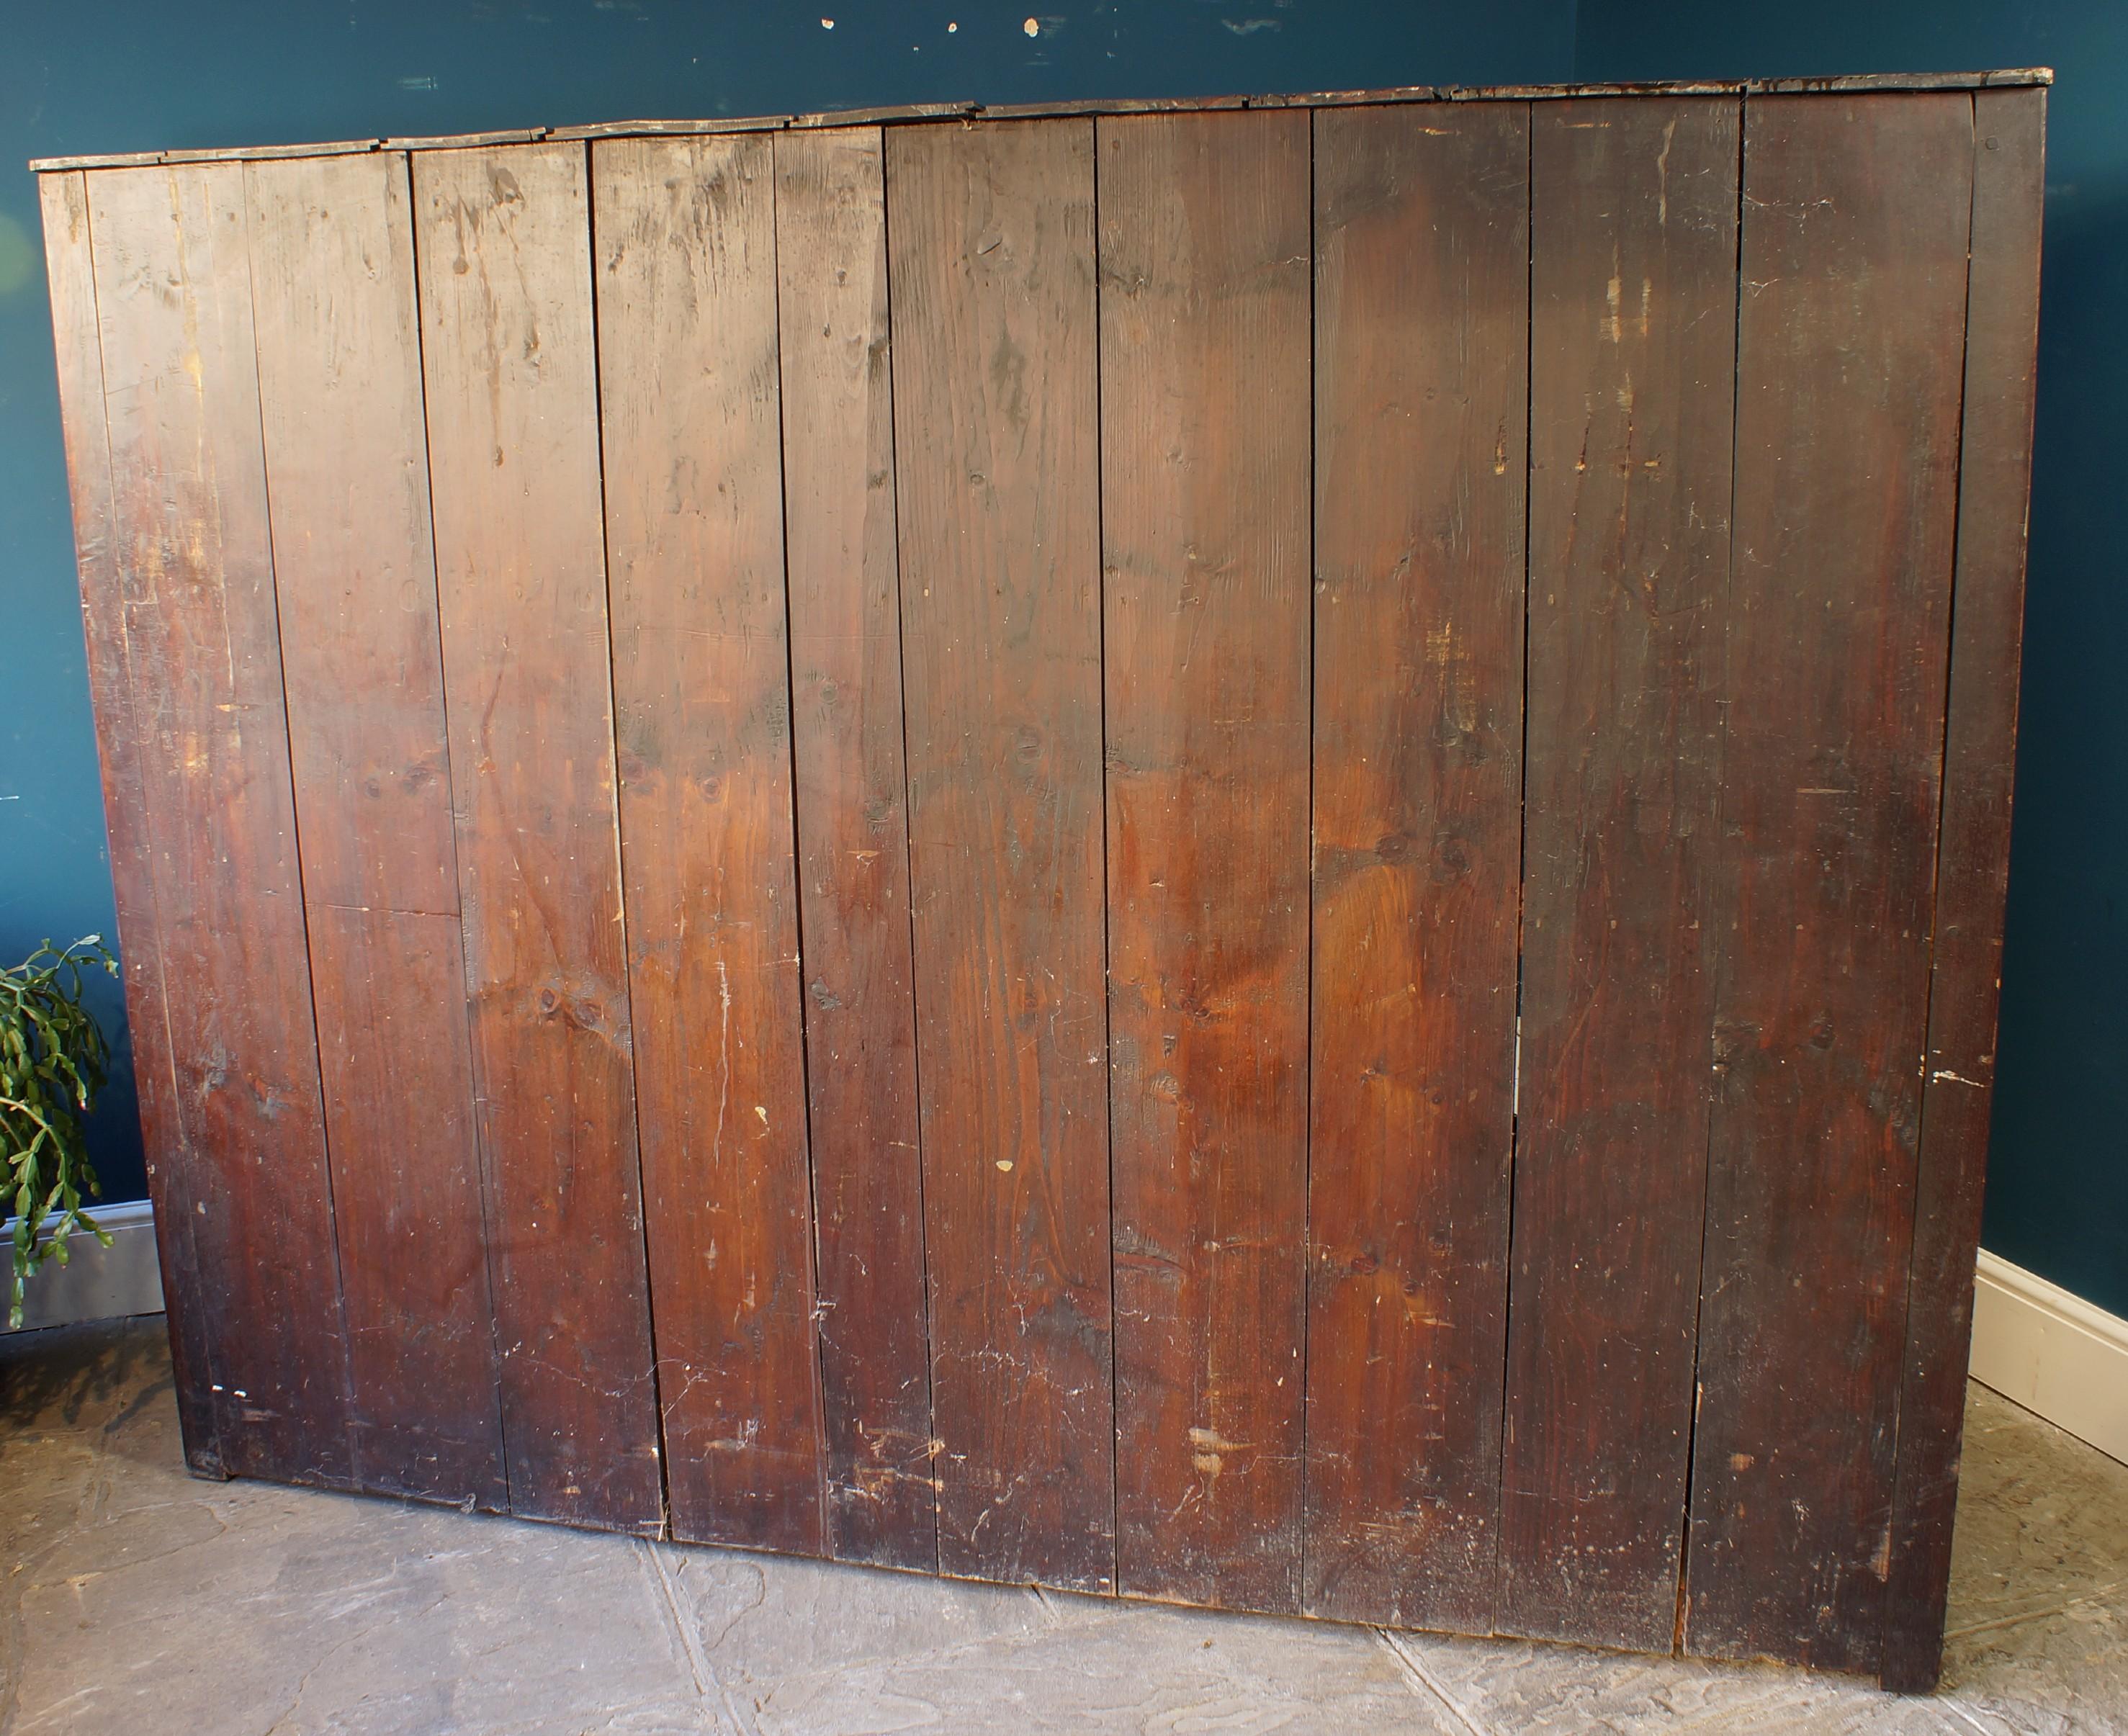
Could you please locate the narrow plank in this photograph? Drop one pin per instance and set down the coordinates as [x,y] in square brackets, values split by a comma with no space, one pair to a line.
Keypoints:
[653,129]
[1205,341]
[468,142]
[990,251]
[686,280]
[1421,347]
[203,667]
[175,1183]
[332,273]
[853,845]
[1632,363]
[1856,214]
[501,241]
[892,115]
[1973,857]
[269,153]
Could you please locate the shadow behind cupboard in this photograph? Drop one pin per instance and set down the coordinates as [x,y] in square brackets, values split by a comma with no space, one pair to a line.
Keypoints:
[1298,909]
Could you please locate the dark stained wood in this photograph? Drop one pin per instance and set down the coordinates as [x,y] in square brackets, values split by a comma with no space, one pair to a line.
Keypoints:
[1632,362]
[990,251]
[685,281]
[1421,334]
[503,246]
[195,579]
[1849,370]
[174,1181]
[332,276]
[853,845]
[1972,867]
[1205,515]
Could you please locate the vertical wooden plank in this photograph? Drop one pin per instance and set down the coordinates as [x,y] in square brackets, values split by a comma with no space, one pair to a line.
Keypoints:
[204,662]
[1421,354]
[1973,860]
[1632,362]
[332,273]
[991,250]
[1850,345]
[1204,265]
[174,1181]
[854,844]
[501,239]
[685,279]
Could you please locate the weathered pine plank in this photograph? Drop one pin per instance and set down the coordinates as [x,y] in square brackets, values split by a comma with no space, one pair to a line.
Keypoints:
[1849,370]
[503,247]
[174,1181]
[853,845]
[686,280]
[1973,860]
[991,265]
[332,276]
[1204,263]
[1421,333]
[1632,361]
[202,653]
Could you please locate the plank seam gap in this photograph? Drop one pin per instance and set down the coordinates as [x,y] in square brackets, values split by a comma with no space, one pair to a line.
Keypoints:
[1108,986]
[1301,1598]
[1900,1416]
[1723,881]
[483,1157]
[620,848]
[820,1469]
[296,843]
[931,1442]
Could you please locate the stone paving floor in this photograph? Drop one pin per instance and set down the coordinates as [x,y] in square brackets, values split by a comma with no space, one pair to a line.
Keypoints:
[142,1602]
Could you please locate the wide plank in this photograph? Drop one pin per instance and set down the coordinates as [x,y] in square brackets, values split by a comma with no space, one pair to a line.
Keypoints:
[685,279]
[332,276]
[853,796]
[502,243]
[173,1182]
[1973,862]
[990,267]
[203,651]
[1632,360]
[1205,340]
[1849,365]
[1421,331]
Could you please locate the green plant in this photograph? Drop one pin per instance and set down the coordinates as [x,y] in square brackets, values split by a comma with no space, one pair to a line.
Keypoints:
[52,1058]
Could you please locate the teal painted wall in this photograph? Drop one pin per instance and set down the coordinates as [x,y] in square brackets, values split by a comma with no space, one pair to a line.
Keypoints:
[2058,1182]
[133,76]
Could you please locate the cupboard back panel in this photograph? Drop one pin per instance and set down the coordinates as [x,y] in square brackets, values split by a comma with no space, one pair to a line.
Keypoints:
[1250,855]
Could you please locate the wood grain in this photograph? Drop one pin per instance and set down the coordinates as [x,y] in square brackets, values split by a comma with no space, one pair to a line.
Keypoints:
[1204,263]
[685,275]
[174,1181]
[502,241]
[1632,361]
[1849,369]
[1421,356]
[332,275]
[1973,860]
[853,845]
[195,579]
[990,264]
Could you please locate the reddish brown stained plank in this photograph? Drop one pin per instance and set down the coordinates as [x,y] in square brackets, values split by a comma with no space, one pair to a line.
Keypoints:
[173,1182]
[990,252]
[1204,514]
[502,243]
[1421,336]
[685,264]
[853,845]
[203,667]
[332,274]
[1633,324]
[1849,370]
[1972,867]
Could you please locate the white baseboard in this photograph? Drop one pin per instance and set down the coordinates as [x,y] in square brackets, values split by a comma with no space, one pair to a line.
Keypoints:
[98,1282]
[2052,1352]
